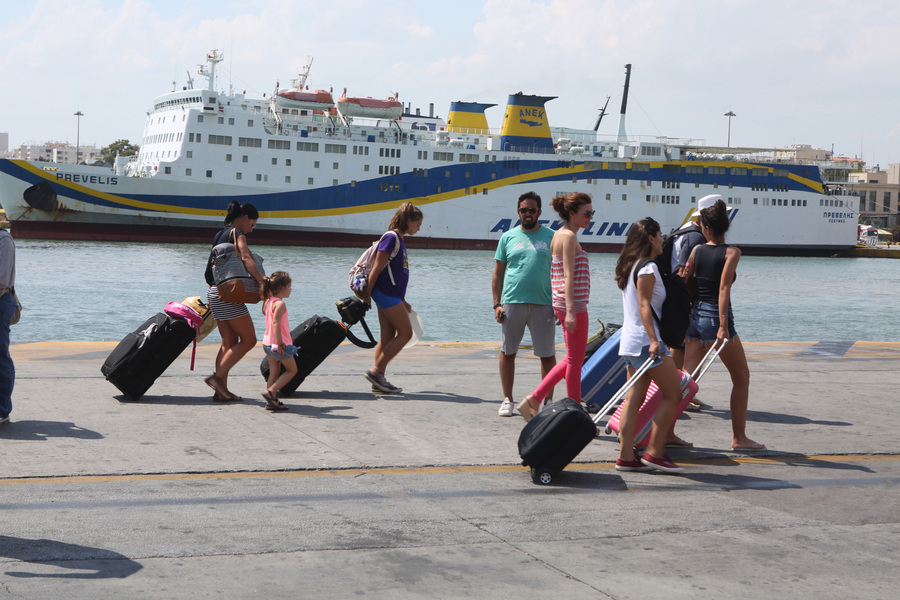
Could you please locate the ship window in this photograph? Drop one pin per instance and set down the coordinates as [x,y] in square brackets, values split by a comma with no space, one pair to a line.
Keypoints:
[199,118]
[437,190]
[366,168]
[335,166]
[259,177]
[353,183]
[227,158]
[168,170]
[381,152]
[309,180]
[398,153]
[624,197]
[274,161]
[238,175]
[245,158]
[231,120]
[609,196]
[755,200]
[287,162]
[208,173]
[484,191]
[189,153]
[804,202]
[187,172]
[381,169]
[334,182]
[190,137]
[249,122]
[287,178]
[221,120]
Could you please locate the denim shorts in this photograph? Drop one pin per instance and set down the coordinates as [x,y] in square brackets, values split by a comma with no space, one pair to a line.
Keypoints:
[705,322]
[383,300]
[637,361]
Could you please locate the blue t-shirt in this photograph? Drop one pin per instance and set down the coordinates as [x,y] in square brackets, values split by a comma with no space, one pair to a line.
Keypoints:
[527,257]
[399,267]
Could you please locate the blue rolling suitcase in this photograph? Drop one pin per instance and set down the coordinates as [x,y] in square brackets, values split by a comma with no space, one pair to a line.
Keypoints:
[603,374]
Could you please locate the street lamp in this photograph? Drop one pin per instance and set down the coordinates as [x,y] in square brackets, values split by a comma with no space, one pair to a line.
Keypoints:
[79,114]
[729,114]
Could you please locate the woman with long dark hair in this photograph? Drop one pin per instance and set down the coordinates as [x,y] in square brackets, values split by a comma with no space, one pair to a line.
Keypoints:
[570,284]
[387,287]
[232,319]
[643,293]
[714,267]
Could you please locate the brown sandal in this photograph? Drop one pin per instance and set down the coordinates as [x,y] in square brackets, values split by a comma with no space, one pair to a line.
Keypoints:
[216,383]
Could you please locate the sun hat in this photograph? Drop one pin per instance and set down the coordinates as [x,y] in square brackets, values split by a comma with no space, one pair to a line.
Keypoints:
[706,202]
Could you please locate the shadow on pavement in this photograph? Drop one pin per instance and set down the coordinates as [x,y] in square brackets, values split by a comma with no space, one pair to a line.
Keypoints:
[83,562]
[40,431]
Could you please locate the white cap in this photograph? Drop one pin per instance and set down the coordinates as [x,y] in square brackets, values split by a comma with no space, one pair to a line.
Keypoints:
[706,202]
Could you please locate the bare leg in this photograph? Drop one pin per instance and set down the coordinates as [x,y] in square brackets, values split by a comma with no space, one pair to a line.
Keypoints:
[238,338]
[735,361]
[507,373]
[396,330]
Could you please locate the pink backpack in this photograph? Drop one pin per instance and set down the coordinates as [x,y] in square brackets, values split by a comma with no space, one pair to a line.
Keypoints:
[177,310]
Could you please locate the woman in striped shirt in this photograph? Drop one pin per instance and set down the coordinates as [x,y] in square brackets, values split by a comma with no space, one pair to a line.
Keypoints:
[570,281]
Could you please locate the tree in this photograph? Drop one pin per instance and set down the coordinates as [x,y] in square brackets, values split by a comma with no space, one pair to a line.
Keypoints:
[120,147]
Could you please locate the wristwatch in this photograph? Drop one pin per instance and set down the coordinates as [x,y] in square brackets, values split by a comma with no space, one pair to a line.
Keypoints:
[496,305]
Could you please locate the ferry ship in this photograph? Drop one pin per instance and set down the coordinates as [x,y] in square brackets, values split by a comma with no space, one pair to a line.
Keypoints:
[332,172]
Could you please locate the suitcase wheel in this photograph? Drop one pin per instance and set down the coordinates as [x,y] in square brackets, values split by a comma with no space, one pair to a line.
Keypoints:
[608,430]
[541,476]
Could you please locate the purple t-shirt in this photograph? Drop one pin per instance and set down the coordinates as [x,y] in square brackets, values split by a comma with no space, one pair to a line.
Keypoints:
[399,267]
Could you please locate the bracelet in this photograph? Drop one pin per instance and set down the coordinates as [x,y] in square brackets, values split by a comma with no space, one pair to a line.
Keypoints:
[496,305]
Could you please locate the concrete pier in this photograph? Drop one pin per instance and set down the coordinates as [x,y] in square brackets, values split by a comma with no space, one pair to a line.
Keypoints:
[422,495]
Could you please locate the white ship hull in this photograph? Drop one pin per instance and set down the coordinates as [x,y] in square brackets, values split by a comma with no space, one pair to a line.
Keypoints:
[319,181]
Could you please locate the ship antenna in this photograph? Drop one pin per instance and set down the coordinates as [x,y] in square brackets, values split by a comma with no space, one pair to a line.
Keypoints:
[621,137]
[601,115]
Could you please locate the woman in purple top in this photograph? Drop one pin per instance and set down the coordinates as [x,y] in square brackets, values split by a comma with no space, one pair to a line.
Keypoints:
[387,287]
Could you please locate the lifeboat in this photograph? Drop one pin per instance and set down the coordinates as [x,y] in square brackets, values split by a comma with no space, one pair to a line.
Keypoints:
[373,108]
[294,98]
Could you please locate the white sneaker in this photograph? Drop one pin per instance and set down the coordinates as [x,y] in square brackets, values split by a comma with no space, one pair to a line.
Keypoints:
[506,408]
[4,420]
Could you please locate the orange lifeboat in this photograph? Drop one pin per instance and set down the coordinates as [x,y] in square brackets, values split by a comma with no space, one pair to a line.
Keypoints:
[373,108]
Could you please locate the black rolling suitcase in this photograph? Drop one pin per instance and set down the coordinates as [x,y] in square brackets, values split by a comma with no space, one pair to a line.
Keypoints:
[554,437]
[144,354]
[315,339]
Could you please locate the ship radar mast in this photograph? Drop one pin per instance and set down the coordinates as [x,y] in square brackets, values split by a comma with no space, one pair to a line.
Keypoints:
[621,137]
[212,59]
[300,81]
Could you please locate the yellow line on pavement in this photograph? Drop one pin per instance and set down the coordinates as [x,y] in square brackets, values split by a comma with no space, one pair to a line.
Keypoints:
[588,466]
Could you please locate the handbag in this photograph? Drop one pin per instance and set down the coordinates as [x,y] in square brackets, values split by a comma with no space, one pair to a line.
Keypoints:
[230,276]
[18,314]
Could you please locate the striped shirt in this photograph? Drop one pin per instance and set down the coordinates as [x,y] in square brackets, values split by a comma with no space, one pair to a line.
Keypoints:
[581,281]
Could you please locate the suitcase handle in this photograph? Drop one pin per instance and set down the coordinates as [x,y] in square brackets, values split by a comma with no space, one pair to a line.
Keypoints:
[617,397]
[708,360]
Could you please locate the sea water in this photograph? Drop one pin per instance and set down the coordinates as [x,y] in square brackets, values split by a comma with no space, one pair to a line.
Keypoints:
[99,291]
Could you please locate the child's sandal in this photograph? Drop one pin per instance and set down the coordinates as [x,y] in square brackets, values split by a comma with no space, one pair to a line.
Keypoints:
[273,403]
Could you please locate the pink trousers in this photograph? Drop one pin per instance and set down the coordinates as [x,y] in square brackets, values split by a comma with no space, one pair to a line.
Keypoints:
[570,367]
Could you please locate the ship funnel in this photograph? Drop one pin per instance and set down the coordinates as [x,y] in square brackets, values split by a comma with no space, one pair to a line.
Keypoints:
[468,117]
[525,126]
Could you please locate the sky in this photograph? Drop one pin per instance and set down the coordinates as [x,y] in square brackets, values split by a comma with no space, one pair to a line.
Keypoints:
[821,72]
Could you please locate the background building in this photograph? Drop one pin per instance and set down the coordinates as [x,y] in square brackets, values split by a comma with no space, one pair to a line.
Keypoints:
[878,193]
[58,152]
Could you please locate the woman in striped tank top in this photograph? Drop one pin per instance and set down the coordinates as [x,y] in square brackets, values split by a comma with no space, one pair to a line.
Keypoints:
[570,281]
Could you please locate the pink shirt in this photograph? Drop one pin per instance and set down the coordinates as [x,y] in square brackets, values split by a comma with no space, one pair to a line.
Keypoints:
[581,280]
[270,338]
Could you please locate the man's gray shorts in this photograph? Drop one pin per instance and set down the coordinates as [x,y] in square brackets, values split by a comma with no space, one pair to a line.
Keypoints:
[541,322]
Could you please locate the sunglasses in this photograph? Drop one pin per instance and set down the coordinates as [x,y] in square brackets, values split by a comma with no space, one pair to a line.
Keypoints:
[528,211]
[589,213]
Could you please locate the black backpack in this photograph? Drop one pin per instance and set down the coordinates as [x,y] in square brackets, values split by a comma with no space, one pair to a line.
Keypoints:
[676,309]
[664,260]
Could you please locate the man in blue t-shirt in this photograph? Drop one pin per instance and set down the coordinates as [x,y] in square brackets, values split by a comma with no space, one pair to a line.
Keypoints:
[521,289]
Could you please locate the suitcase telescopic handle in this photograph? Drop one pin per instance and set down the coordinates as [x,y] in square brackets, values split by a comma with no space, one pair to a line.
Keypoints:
[617,397]
[708,360]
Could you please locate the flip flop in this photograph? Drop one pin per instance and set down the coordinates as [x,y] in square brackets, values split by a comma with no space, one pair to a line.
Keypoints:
[751,448]
[693,406]
[680,442]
